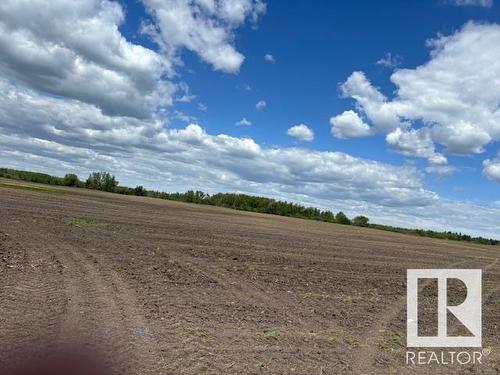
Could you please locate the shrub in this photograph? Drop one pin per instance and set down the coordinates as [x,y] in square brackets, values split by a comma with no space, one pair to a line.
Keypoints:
[140,191]
[101,181]
[360,221]
[71,179]
[341,218]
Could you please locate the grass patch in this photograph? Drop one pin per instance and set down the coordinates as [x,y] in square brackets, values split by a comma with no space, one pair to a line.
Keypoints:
[119,268]
[374,295]
[394,342]
[271,334]
[195,331]
[308,295]
[332,339]
[332,335]
[260,365]
[346,298]
[30,188]
[190,329]
[87,221]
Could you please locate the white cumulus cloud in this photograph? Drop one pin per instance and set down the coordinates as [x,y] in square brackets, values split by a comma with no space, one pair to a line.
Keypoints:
[478,3]
[269,58]
[452,100]
[349,125]
[243,122]
[390,61]
[204,27]
[415,142]
[492,169]
[261,104]
[79,133]
[75,49]
[302,132]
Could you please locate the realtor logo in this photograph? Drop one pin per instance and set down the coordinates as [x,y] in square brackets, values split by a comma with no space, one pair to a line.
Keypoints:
[468,312]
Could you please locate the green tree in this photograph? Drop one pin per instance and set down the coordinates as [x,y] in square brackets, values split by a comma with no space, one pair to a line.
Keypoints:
[101,181]
[71,179]
[140,191]
[360,221]
[328,216]
[109,182]
[341,218]
[94,181]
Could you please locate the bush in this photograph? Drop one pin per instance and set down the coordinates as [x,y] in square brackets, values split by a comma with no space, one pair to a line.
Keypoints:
[140,191]
[101,181]
[124,190]
[341,218]
[360,221]
[71,179]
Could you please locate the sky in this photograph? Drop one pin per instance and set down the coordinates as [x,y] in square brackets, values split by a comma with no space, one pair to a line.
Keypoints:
[389,109]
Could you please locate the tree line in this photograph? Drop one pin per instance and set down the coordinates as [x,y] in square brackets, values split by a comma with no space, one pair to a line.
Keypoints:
[107,182]
[264,205]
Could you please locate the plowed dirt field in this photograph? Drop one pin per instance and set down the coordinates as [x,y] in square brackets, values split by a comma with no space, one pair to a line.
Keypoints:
[163,287]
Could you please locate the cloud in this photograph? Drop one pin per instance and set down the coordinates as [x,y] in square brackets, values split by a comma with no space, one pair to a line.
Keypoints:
[348,125]
[415,142]
[261,104]
[452,100]
[390,61]
[372,103]
[269,58]
[74,49]
[79,133]
[302,132]
[181,116]
[478,3]
[441,169]
[69,122]
[243,122]
[184,94]
[204,27]
[492,169]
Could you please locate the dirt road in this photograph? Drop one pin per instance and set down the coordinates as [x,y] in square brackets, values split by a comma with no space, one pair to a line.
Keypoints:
[170,288]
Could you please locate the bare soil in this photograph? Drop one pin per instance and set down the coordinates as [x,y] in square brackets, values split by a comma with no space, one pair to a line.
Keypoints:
[171,288]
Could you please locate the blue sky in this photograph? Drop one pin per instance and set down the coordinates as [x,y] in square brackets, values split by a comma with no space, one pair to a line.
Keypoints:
[155,92]
[316,48]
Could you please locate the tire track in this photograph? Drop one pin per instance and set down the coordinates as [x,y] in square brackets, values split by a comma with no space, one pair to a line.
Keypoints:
[31,299]
[103,311]
[53,294]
